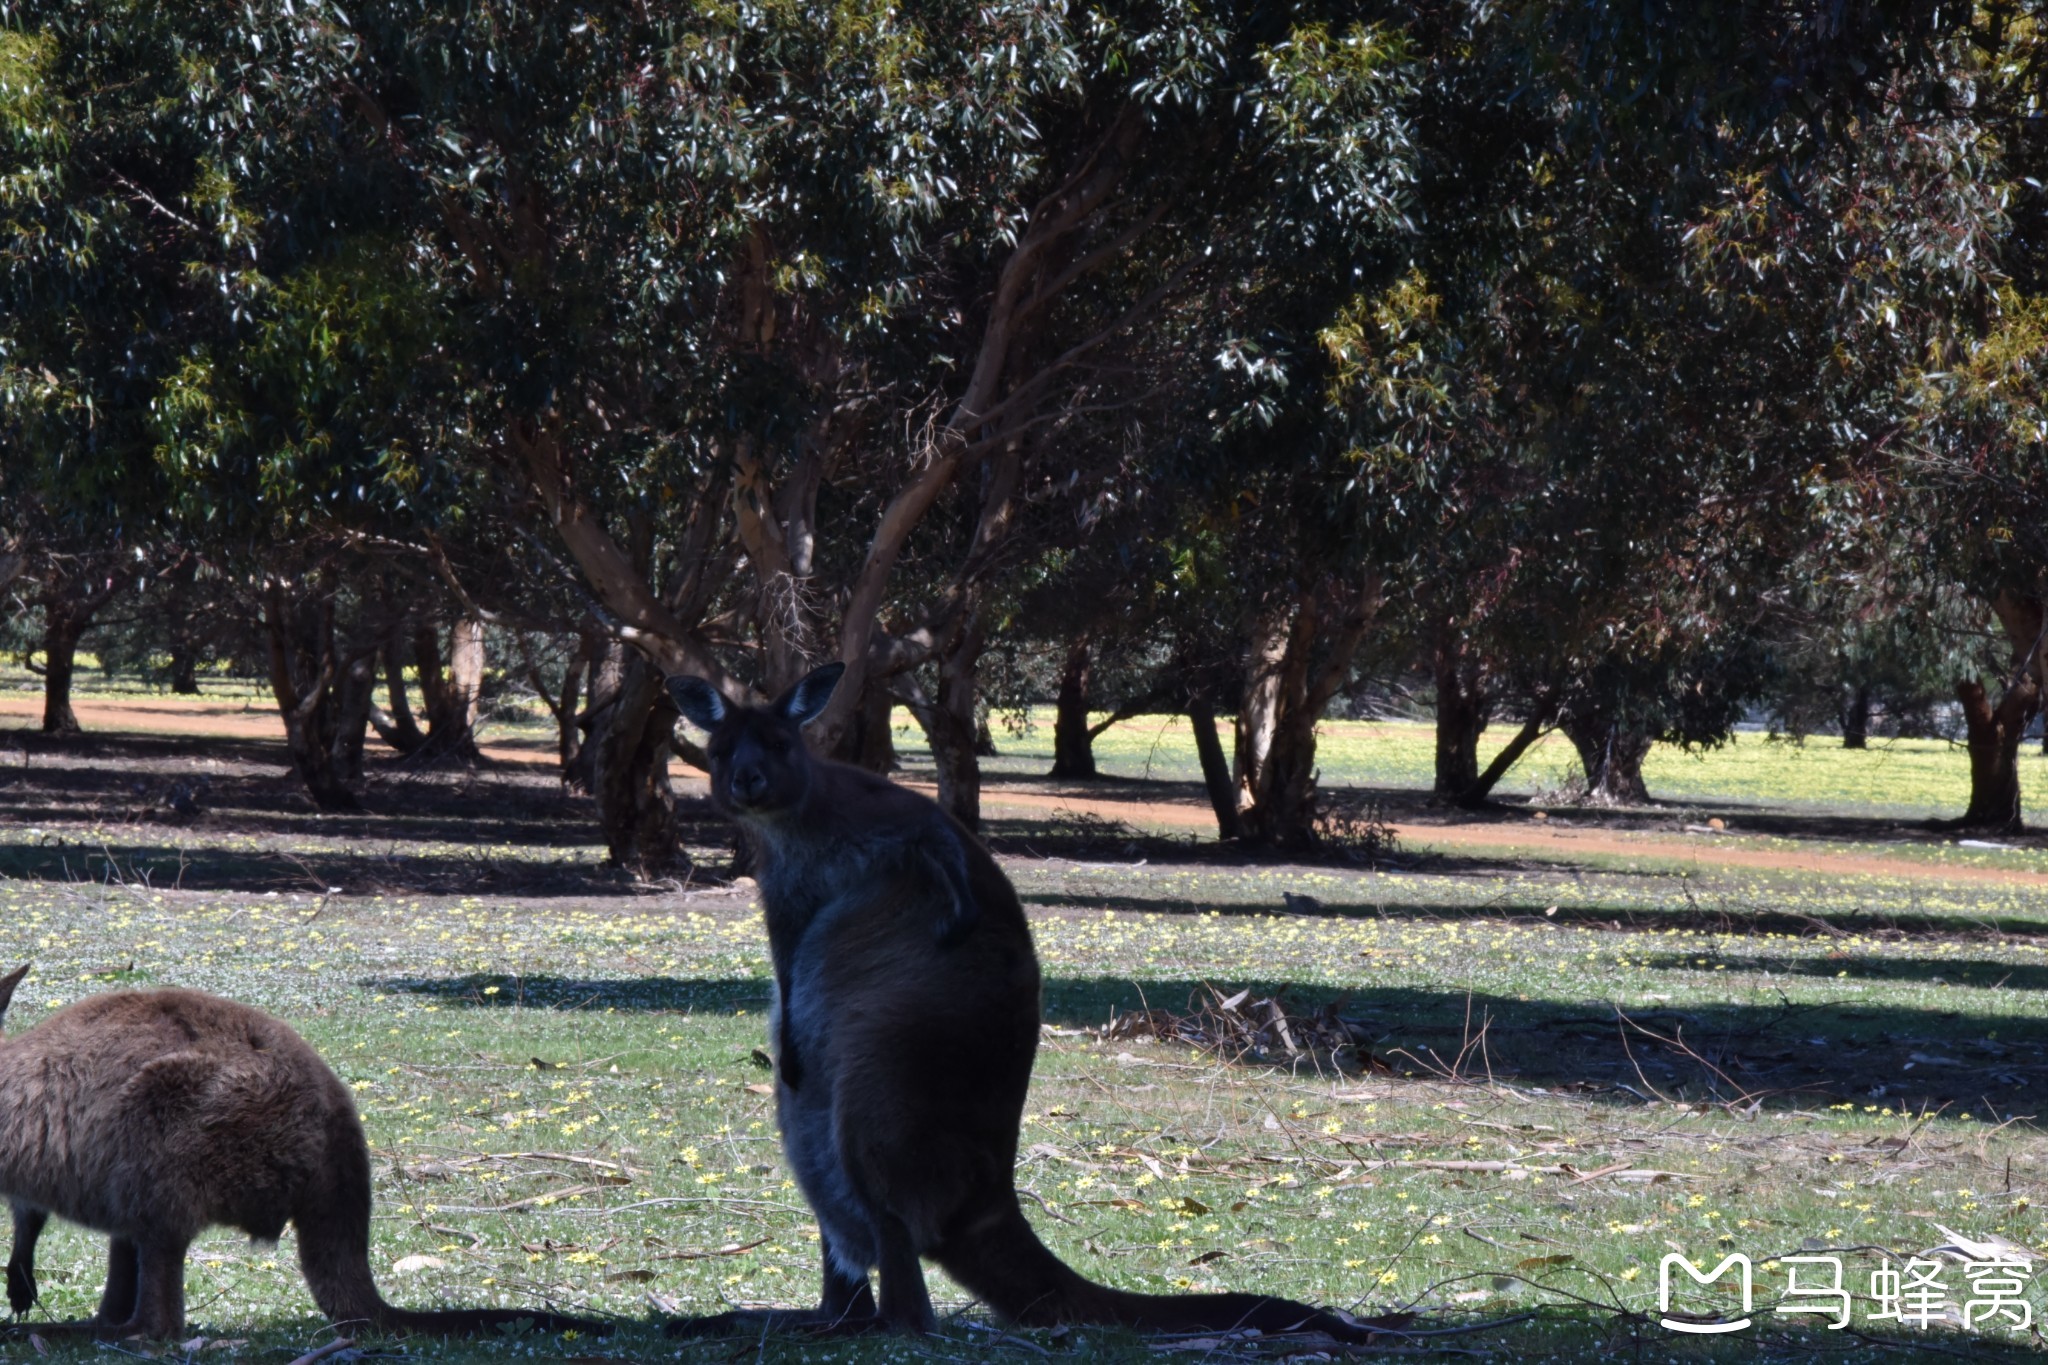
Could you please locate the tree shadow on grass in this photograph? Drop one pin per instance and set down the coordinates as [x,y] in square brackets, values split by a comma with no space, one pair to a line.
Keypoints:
[370,870]
[246,788]
[1780,1055]
[1700,915]
[1949,971]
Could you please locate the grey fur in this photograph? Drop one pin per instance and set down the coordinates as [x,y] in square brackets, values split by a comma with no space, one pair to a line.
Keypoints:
[905,1023]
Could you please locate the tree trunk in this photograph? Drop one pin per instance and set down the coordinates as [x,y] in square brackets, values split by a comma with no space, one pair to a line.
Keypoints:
[1612,754]
[355,693]
[61,632]
[1462,712]
[569,739]
[70,600]
[1285,812]
[868,741]
[1073,745]
[954,733]
[184,670]
[450,696]
[1259,715]
[303,669]
[465,680]
[1994,741]
[1215,769]
[624,759]
[399,729]
[1994,729]
[1532,730]
[1856,719]
[1300,657]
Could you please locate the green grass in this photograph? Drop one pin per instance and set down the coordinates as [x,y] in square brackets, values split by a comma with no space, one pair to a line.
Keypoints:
[560,1088]
[1906,778]
[483,1034]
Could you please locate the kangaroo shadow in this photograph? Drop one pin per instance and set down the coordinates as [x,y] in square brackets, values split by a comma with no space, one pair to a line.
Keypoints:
[649,994]
[1778,1055]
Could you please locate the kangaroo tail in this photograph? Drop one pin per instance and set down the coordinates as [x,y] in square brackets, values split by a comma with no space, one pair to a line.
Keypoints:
[334,1254]
[1008,1268]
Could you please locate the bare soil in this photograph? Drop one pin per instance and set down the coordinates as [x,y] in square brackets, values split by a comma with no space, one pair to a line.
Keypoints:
[254,736]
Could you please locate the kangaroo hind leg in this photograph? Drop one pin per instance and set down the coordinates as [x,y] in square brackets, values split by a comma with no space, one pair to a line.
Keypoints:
[21,1262]
[159,1294]
[117,1300]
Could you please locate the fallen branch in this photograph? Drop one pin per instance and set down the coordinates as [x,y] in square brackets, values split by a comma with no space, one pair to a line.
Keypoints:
[332,1348]
[730,1249]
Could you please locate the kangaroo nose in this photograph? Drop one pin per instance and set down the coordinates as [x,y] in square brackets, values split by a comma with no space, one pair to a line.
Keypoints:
[749,783]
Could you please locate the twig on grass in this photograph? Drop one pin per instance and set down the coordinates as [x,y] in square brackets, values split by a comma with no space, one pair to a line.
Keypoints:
[332,1348]
[730,1249]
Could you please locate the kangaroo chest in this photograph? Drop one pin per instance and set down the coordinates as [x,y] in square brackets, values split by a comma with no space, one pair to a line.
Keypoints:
[804,889]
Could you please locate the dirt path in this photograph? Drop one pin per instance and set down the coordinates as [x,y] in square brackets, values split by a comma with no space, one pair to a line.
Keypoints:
[227,720]
[1706,850]
[245,720]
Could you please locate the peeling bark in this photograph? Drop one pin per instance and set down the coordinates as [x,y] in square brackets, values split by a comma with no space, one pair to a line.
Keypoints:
[304,664]
[1611,752]
[1302,651]
[624,763]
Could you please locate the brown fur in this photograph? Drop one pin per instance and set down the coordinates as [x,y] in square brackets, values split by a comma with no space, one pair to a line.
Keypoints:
[152,1115]
[906,1029]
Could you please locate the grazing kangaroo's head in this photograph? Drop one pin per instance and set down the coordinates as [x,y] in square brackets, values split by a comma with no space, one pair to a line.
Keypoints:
[7,985]
[759,765]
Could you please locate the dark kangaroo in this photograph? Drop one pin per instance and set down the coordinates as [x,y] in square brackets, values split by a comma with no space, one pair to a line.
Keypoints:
[151,1115]
[906,1020]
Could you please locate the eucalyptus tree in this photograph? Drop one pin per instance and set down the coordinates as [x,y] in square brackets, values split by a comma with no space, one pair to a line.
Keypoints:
[96,301]
[1970,490]
[1635,375]
[728,301]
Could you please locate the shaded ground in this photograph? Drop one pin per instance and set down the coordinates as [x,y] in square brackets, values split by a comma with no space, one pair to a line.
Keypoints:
[1569,1047]
[123,770]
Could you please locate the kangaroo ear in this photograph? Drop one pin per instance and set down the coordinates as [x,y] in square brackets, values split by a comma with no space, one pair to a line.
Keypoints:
[697,700]
[7,985]
[805,702]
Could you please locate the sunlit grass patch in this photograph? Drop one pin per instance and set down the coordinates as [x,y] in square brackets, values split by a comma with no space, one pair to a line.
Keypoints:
[1570,1069]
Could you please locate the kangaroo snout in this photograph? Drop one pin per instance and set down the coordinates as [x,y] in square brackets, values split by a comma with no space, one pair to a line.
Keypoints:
[749,785]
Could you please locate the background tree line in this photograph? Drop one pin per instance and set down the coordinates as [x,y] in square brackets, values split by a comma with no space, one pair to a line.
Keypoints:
[1608,368]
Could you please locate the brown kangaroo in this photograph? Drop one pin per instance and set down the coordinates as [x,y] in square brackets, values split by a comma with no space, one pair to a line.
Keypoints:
[905,1021]
[151,1115]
